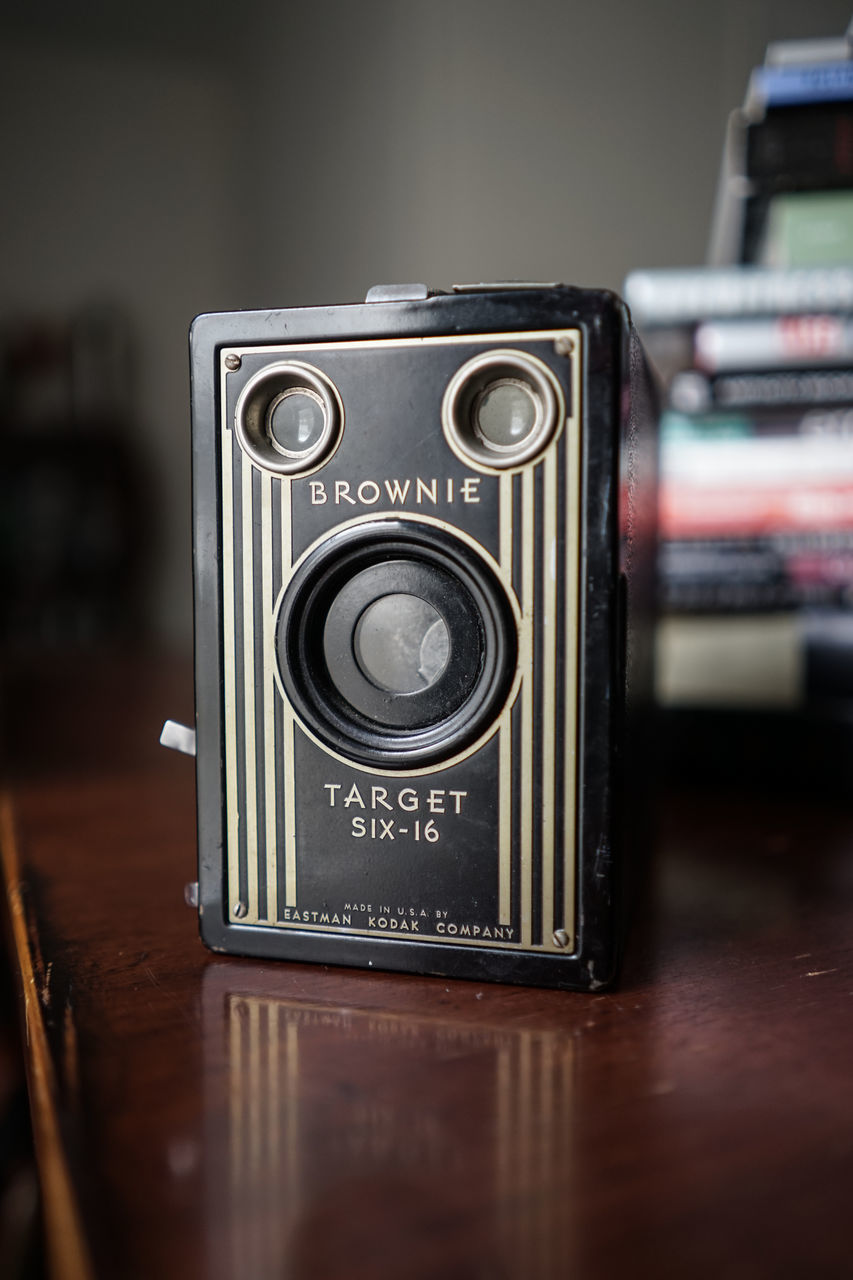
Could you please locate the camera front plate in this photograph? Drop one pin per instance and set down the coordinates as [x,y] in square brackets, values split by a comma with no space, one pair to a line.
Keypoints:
[475,849]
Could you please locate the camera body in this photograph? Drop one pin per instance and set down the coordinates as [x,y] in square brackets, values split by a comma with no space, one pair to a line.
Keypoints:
[423,563]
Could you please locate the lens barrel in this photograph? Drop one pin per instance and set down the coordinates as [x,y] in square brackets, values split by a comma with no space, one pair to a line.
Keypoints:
[396,644]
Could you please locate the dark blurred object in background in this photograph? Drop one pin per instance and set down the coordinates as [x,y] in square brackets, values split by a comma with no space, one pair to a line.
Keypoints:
[72,510]
[784,197]
[755,645]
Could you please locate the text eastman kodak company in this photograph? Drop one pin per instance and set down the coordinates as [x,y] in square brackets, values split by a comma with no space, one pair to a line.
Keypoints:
[404,920]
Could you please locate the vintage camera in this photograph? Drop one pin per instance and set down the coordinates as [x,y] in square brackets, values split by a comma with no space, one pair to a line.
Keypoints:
[423,529]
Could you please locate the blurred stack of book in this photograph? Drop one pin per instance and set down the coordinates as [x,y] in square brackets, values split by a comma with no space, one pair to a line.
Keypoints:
[756,355]
[784,195]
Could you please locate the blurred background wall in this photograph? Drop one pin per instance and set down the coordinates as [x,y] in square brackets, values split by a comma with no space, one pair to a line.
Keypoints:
[173,158]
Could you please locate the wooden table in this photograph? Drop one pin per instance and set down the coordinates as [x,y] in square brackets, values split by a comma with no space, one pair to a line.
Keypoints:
[201,1116]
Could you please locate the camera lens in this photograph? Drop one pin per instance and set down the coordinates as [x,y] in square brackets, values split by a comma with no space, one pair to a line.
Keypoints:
[401,643]
[289,418]
[402,639]
[295,421]
[502,409]
[397,644]
[505,413]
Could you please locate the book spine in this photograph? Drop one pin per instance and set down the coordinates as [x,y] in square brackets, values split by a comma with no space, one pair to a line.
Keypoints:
[788,340]
[781,387]
[673,297]
[802,84]
[736,575]
[811,147]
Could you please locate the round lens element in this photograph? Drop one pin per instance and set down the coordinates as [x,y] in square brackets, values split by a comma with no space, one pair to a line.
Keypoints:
[502,409]
[505,413]
[295,421]
[401,643]
[402,639]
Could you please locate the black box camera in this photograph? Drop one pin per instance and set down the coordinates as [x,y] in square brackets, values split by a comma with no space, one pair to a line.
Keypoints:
[423,567]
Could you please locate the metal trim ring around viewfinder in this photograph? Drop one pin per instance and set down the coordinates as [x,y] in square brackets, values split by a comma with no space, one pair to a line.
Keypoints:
[262,393]
[465,391]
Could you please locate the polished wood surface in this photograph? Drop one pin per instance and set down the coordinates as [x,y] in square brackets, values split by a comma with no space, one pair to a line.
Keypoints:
[202,1116]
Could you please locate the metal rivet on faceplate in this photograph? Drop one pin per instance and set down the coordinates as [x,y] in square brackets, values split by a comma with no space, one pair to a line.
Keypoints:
[560,938]
[564,346]
[240,910]
[232,363]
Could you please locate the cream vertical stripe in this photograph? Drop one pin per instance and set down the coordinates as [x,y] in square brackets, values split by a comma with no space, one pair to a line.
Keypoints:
[268,684]
[250,757]
[574,620]
[232,841]
[286,762]
[528,600]
[505,819]
[505,518]
[549,689]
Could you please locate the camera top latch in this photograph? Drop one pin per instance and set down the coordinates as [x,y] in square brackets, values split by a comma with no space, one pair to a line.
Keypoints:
[420,292]
[400,293]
